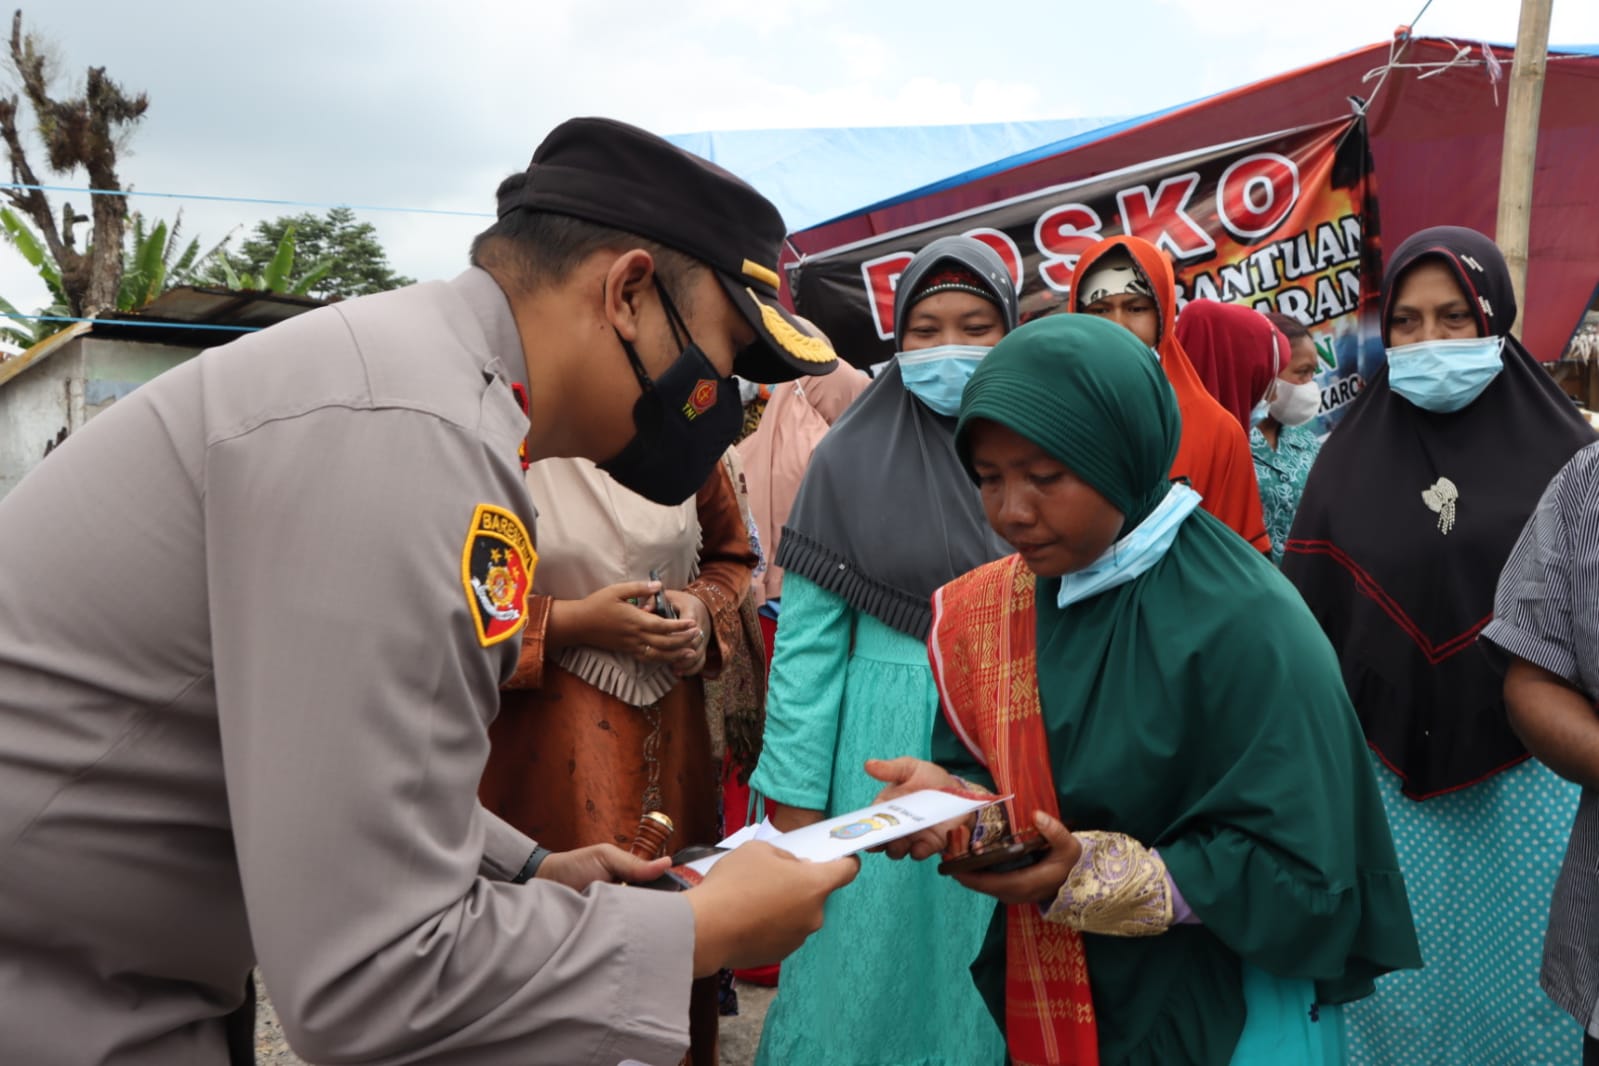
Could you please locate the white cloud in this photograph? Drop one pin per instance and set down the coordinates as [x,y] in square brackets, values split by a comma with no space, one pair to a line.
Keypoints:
[864,55]
[915,101]
[766,18]
[1293,35]
[414,104]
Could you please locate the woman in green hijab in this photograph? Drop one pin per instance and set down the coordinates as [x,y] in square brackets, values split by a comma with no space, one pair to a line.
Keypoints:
[1168,714]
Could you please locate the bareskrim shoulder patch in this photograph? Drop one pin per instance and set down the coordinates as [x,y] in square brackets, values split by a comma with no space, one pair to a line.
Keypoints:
[497,572]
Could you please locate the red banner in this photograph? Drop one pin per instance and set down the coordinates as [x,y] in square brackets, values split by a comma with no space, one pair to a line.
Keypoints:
[1286,222]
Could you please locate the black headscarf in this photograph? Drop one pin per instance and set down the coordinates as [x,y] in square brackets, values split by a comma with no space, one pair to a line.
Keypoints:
[886,514]
[1401,600]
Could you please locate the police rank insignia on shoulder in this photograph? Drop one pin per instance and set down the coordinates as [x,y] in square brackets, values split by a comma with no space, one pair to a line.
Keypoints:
[497,571]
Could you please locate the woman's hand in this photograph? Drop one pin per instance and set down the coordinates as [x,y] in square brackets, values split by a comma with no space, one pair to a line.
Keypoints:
[609,619]
[690,607]
[905,775]
[786,819]
[1040,882]
[901,777]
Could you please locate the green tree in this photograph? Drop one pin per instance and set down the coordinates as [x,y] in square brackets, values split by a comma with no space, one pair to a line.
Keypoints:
[356,262]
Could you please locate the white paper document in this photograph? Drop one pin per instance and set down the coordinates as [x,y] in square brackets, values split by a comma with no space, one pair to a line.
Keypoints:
[858,830]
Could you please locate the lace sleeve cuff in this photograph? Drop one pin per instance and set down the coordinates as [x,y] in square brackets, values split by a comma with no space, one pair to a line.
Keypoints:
[1118,888]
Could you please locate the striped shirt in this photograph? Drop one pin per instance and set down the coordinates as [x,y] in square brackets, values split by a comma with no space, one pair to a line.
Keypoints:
[1547,612]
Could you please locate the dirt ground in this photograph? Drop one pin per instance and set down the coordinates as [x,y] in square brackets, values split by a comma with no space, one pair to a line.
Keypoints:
[740,1033]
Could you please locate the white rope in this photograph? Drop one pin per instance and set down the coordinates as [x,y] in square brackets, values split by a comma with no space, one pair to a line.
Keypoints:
[1396,46]
[1461,58]
[1585,345]
[1381,73]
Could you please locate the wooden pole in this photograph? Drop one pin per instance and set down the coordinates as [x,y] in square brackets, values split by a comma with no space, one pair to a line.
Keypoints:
[1521,144]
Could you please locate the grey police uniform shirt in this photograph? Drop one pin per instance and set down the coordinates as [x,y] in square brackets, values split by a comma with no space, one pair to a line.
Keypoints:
[246,680]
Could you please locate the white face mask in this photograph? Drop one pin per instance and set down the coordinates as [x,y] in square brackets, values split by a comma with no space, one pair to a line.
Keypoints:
[1294,405]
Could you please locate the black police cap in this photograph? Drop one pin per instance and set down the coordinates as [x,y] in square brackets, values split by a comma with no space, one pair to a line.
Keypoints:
[617,175]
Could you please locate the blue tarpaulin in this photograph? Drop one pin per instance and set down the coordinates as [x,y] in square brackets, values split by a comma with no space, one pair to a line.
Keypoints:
[818,175]
[814,175]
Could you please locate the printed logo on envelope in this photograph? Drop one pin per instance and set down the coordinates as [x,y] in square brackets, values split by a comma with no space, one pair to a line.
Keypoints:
[870,824]
[497,572]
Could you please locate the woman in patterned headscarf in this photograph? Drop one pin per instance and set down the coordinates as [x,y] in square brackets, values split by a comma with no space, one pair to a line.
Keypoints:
[1130,282]
[1408,516]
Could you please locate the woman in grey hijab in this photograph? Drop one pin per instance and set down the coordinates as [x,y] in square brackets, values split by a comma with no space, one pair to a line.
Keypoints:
[885,515]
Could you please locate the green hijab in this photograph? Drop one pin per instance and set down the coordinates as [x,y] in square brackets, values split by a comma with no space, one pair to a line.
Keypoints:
[1110,381]
[1200,710]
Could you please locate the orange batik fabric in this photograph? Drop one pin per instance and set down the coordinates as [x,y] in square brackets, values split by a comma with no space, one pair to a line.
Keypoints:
[984,651]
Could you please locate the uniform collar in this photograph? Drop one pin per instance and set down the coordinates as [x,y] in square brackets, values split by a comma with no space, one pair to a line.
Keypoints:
[490,307]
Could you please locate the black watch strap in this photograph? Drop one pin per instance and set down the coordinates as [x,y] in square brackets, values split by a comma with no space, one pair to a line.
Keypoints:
[530,868]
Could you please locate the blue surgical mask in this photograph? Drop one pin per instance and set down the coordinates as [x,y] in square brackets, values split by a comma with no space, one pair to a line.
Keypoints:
[1134,553]
[1258,413]
[1444,376]
[937,376]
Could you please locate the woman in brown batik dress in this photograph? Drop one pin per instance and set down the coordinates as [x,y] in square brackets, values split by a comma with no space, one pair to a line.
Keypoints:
[606,716]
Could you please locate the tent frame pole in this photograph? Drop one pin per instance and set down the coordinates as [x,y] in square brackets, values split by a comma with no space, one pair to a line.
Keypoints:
[1519,161]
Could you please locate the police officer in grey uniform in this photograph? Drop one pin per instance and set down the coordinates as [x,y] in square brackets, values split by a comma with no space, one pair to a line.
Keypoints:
[253,623]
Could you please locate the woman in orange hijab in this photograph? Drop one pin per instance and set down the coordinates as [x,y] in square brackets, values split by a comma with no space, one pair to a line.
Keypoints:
[1129,281]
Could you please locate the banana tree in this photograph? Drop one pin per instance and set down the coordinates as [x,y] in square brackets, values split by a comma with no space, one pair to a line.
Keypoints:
[154,261]
[153,264]
[277,275]
[18,328]
[25,330]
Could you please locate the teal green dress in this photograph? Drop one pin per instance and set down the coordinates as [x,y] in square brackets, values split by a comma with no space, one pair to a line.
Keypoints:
[1281,472]
[885,981]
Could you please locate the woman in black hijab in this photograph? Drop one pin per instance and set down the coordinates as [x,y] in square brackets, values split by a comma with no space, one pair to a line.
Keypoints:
[1407,518]
[885,515]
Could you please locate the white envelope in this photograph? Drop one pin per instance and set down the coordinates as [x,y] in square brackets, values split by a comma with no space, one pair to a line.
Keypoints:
[868,827]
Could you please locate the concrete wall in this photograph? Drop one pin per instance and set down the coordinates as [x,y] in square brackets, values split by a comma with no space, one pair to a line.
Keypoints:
[45,404]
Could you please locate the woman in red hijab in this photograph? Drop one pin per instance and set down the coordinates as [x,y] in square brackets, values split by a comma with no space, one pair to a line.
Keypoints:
[1129,281]
[1237,354]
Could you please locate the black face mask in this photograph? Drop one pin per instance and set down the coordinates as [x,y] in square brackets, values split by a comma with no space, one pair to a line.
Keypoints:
[683,423]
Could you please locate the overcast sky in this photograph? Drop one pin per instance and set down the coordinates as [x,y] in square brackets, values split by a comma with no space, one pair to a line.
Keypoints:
[427,105]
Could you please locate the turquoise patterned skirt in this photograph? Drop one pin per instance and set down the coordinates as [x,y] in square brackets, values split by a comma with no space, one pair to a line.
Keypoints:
[886,980]
[1480,866]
